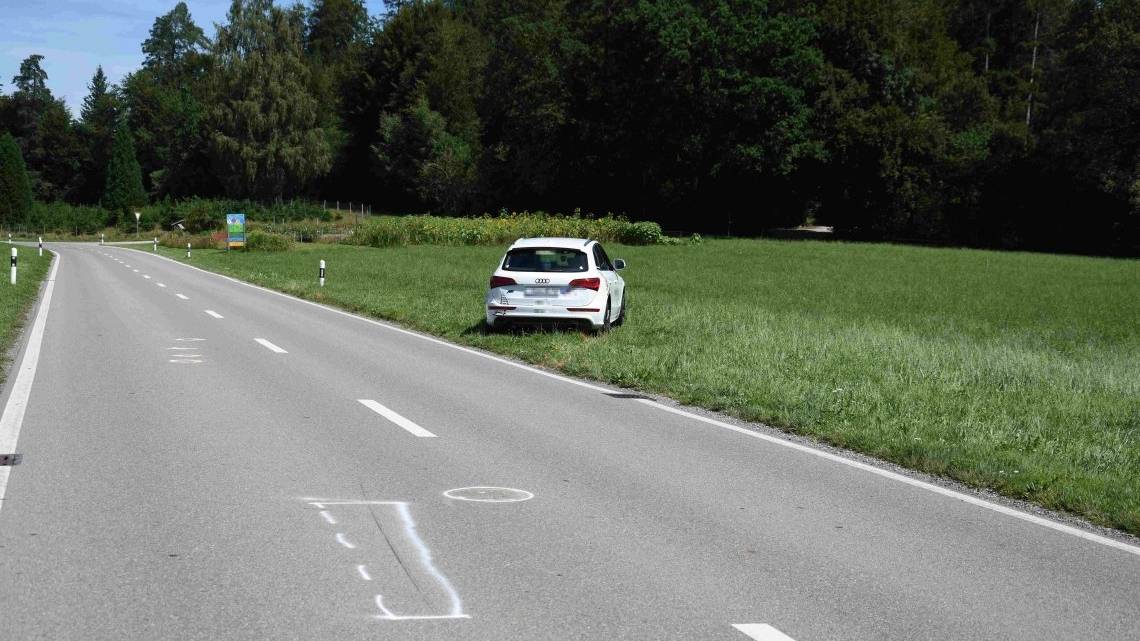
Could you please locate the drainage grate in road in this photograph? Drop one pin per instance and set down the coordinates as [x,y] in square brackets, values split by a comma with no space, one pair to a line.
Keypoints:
[633,396]
[10,459]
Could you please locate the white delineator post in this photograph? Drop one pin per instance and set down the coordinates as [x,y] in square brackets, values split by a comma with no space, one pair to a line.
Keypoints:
[101,238]
[322,273]
[155,244]
[41,245]
[188,250]
[13,280]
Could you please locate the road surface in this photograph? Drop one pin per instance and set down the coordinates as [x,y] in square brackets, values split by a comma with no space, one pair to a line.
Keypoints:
[207,460]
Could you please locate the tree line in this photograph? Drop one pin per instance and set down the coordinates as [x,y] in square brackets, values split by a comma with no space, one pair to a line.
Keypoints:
[1011,123]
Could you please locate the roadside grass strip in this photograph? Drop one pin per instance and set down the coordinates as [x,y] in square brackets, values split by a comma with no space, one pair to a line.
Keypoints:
[1011,371]
[16,300]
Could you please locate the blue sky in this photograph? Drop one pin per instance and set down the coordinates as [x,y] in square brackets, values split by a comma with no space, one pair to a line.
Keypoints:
[75,36]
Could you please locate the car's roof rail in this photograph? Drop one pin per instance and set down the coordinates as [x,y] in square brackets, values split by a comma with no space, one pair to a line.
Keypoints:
[586,242]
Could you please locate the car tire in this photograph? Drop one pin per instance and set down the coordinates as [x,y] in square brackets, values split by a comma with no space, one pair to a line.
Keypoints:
[607,325]
[620,320]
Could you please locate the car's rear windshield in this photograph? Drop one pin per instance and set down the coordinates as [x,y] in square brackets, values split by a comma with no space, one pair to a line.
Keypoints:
[542,259]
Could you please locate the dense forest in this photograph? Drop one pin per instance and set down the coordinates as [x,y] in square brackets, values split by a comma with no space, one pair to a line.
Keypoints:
[1006,123]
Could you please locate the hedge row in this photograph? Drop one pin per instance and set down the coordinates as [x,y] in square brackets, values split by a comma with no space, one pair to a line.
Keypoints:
[388,231]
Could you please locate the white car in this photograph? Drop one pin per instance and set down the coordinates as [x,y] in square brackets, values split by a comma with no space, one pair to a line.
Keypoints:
[556,280]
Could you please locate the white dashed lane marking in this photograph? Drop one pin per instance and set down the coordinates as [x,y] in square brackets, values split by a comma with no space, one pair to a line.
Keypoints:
[270,346]
[214,314]
[396,418]
[762,632]
[182,297]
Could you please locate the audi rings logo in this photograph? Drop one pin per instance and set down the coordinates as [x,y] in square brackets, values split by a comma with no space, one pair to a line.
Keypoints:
[542,281]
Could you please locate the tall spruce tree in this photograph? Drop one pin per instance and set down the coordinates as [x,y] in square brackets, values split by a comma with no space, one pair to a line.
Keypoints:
[15,189]
[124,188]
[97,129]
[266,140]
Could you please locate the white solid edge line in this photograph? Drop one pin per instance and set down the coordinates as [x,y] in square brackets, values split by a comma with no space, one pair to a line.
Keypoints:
[973,500]
[13,417]
[395,418]
[270,346]
[214,314]
[762,632]
[937,489]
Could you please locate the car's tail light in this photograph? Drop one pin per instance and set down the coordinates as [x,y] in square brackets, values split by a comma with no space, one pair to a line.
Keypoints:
[586,283]
[500,281]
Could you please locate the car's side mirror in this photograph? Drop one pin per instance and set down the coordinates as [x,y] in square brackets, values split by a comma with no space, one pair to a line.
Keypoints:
[619,263]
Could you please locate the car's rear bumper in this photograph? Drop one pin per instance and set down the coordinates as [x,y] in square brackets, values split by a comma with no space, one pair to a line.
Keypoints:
[501,315]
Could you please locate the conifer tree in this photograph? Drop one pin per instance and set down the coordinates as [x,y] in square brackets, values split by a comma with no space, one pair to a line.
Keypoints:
[124,188]
[15,188]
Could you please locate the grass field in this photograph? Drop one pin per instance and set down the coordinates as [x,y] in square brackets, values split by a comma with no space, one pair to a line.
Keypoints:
[1018,372]
[16,300]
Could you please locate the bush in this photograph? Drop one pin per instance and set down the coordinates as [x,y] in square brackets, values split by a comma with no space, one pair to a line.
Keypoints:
[643,233]
[258,240]
[197,241]
[62,218]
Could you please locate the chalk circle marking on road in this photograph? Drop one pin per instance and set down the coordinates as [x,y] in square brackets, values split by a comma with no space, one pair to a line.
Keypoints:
[486,494]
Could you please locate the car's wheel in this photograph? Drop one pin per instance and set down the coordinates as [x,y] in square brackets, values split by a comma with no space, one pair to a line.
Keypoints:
[624,306]
[606,323]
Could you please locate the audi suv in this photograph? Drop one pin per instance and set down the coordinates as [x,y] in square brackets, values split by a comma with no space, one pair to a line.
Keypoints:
[557,281]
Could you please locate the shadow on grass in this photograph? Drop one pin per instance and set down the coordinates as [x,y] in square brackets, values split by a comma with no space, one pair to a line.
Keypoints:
[480,328]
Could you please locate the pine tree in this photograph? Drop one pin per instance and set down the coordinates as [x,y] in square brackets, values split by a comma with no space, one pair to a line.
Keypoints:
[15,189]
[97,127]
[124,188]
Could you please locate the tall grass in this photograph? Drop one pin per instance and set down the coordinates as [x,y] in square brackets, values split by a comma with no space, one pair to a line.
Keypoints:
[1017,372]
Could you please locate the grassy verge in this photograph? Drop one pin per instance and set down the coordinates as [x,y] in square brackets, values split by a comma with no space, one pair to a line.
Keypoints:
[1018,372]
[15,300]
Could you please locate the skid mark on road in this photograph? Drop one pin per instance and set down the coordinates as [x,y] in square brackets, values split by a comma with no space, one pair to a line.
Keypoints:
[408,573]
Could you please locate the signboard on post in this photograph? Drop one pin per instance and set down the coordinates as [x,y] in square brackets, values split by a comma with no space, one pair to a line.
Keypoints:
[235,228]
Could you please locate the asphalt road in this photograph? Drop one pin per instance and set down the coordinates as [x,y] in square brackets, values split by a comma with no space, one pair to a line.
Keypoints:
[198,464]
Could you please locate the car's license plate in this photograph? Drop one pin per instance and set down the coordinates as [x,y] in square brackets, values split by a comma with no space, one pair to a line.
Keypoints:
[541,291]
